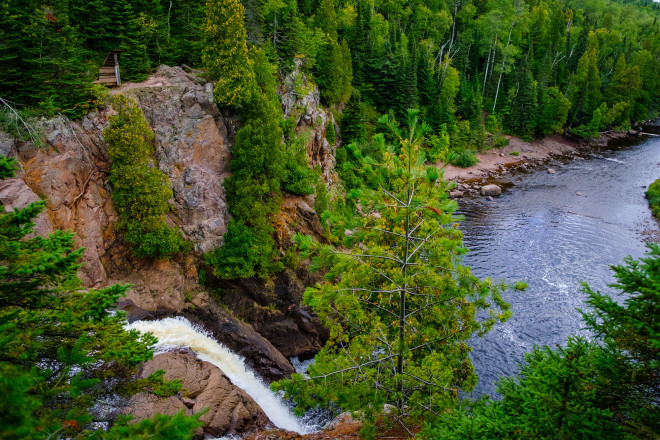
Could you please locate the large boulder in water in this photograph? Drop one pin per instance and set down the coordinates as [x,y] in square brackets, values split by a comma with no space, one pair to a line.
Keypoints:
[231,410]
[491,190]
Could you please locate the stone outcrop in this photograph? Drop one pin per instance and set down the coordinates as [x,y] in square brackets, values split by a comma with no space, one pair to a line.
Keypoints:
[301,100]
[230,410]
[275,311]
[193,142]
[71,173]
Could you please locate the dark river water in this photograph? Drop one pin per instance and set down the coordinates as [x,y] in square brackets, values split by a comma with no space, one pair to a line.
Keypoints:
[542,232]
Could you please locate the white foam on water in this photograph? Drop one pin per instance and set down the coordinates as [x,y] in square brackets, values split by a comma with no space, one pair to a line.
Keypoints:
[179,332]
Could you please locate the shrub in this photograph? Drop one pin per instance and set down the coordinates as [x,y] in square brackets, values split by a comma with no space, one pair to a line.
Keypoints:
[464,159]
[244,254]
[501,142]
[492,124]
[514,153]
[330,134]
[653,195]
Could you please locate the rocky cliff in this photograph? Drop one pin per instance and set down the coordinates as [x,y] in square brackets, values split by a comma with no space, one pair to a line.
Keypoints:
[266,322]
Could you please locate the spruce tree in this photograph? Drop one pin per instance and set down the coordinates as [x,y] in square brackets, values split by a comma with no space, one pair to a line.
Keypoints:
[326,18]
[522,118]
[624,86]
[585,90]
[399,308]
[225,53]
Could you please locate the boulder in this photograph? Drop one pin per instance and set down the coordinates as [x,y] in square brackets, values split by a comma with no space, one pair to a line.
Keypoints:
[491,190]
[231,411]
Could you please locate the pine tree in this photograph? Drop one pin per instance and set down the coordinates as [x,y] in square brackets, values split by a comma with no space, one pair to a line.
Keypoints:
[42,58]
[629,359]
[334,72]
[399,308]
[624,86]
[522,118]
[353,122]
[253,192]
[225,53]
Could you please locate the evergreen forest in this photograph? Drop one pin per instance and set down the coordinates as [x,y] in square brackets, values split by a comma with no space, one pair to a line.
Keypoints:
[412,86]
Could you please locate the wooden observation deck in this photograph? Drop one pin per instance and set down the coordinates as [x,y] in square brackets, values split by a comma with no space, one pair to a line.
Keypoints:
[109,71]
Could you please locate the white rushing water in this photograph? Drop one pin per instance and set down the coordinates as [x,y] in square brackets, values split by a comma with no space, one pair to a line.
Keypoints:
[179,332]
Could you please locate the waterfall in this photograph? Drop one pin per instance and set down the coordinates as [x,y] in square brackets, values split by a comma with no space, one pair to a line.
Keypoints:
[179,332]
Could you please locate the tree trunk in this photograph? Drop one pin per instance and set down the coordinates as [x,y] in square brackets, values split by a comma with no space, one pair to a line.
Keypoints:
[499,81]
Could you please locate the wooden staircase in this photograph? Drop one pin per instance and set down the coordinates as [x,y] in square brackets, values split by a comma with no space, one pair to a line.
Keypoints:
[109,71]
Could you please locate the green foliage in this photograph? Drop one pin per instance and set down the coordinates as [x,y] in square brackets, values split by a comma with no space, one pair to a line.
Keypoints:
[438,144]
[399,308]
[551,398]
[244,254]
[629,357]
[225,53]
[330,134]
[161,427]
[298,177]
[554,113]
[140,193]
[586,87]
[604,389]
[333,72]
[464,159]
[653,195]
[501,142]
[320,197]
[492,125]
[61,348]
[522,117]
[260,167]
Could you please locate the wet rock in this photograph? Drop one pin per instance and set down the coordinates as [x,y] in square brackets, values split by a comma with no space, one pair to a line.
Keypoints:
[579,193]
[276,311]
[456,194]
[242,338]
[231,411]
[344,419]
[551,171]
[491,190]
[133,312]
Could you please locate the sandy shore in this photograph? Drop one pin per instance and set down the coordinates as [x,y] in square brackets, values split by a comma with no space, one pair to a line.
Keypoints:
[499,162]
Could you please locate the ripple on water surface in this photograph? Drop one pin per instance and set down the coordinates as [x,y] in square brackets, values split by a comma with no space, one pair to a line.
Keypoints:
[544,233]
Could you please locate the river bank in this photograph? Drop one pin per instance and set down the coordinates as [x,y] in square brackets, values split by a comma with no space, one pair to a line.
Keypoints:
[521,155]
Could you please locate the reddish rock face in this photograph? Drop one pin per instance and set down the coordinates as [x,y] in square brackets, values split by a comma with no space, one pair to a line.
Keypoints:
[230,410]
[192,147]
[192,142]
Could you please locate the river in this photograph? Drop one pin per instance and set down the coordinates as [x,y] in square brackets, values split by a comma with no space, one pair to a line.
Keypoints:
[554,231]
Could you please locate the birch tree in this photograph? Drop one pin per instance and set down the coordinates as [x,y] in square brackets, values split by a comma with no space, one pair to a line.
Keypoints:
[399,306]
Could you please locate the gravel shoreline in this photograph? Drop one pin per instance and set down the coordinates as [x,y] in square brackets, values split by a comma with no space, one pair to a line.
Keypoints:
[498,164]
